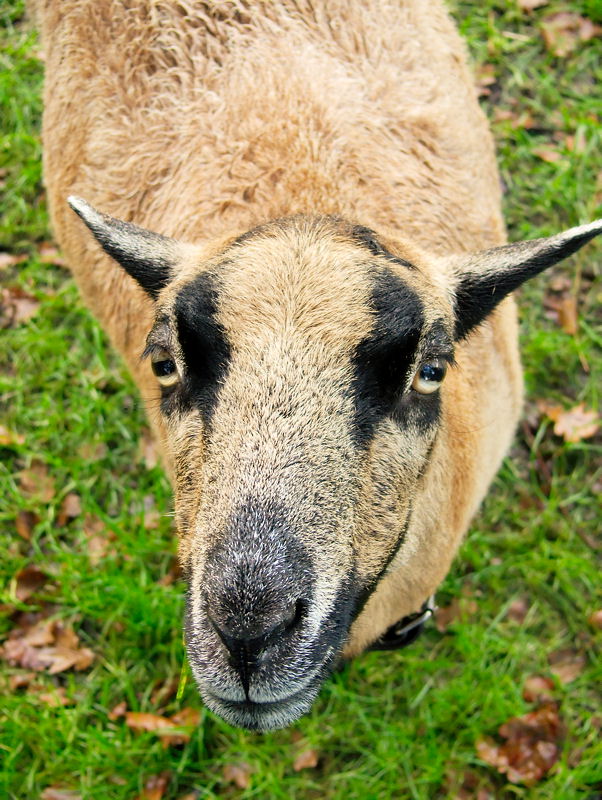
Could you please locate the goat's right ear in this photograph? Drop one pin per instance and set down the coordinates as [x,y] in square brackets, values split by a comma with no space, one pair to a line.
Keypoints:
[480,280]
[148,257]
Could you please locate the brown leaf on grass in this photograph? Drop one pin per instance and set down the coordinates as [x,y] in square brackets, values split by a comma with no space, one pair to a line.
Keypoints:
[529,5]
[595,619]
[168,728]
[92,451]
[36,482]
[564,31]
[99,539]
[10,259]
[164,690]
[573,424]
[518,609]
[118,711]
[531,748]
[21,680]
[16,306]
[28,581]
[49,254]
[485,77]
[9,438]
[143,721]
[548,154]
[567,664]
[239,774]
[538,689]
[187,717]
[567,315]
[56,697]
[25,522]
[518,120]
[58,793]
[155,787]
[308,759]
[46,645]
[71,507]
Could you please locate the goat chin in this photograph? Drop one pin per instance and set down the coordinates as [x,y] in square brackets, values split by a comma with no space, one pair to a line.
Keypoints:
[294,211]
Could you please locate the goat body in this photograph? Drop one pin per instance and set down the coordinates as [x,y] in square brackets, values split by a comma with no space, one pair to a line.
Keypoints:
[204,121]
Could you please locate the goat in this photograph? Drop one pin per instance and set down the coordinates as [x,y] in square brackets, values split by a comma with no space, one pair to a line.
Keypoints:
[324,313]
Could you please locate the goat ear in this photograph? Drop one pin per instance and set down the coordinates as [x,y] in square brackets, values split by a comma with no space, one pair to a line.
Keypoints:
[482,279]
[149,258]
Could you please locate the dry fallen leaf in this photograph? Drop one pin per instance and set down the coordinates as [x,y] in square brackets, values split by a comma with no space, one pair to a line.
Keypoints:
[564,31]
[28,581]
[99,539]
[548,154]
[532,746]
[25,522]
[16,305]
[573,424]
[567,315]
[143,721]
[239,774]
[566,664]
[595,619]
[538,689]
[10,259]
[118,711]
[71,507]
[21,680]
[172,730]
[56,697]
[517,610]
[48,254]
[36,482]
[529,5]
[57,793]
[9,438]
[155,787]
[187,717]
[485,77]
[308,759]
[46,645]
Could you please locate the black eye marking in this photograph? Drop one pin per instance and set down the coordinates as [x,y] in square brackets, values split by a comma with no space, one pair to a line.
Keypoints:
[203,341]
[383,361]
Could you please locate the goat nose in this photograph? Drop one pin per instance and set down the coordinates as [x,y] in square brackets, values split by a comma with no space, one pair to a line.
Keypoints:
[255,634]
[246,642]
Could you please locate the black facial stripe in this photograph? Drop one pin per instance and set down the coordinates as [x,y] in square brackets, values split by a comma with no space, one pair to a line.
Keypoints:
[383,360]
[367,591]
[204,344]
[367,238]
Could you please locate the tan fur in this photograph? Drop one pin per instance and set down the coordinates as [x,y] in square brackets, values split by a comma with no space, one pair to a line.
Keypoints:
[201,120]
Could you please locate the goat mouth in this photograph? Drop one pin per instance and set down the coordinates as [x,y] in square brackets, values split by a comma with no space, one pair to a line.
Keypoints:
[264,716]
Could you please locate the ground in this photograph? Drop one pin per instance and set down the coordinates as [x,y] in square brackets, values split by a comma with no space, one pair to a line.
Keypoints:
[88,547]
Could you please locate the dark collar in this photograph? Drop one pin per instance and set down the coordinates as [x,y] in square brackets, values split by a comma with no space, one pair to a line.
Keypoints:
[406,630]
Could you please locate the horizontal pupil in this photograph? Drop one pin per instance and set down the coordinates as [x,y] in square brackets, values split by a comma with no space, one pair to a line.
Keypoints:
[431,373]
[163,368]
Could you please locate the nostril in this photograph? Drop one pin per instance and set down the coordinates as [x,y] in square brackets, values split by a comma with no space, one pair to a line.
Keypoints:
[258,634]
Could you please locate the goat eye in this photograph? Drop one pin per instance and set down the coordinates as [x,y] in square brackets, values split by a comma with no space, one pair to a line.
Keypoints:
[430,376]
[164,368]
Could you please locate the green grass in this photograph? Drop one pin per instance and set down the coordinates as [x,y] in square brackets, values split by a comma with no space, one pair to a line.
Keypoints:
[400,725]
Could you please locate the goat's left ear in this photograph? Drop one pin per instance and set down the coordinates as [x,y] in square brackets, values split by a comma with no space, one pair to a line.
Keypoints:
[148,257]
[480,280]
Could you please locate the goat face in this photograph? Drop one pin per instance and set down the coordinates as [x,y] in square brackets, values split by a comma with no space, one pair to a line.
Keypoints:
[298,442]
[299,369]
